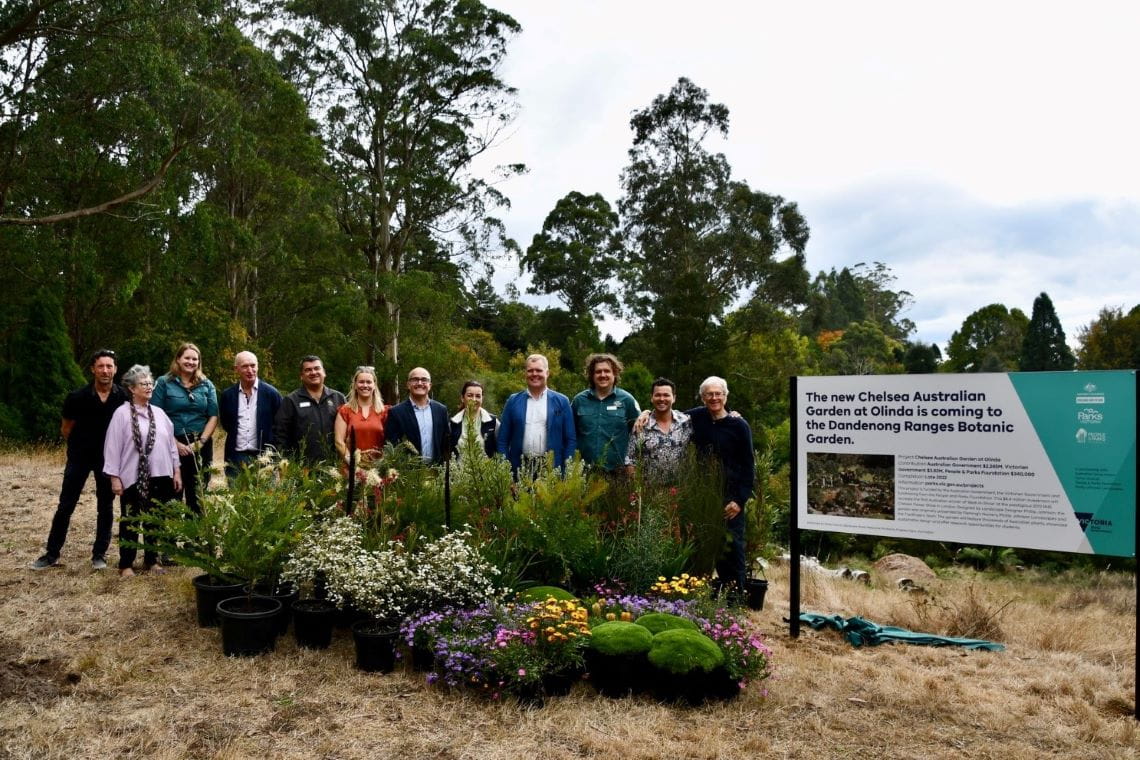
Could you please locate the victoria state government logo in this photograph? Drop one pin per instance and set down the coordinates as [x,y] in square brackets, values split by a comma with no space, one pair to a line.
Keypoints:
[1087,520]
[1090,395]
[1090,416]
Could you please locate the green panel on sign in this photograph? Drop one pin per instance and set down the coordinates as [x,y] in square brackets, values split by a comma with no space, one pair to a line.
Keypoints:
[1086,422]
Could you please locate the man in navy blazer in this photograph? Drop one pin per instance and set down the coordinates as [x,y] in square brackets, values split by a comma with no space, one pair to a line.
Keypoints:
[246,410]
[420,420]
[537,420]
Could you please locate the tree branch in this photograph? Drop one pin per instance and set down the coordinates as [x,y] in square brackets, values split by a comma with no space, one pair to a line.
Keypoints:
[135,194]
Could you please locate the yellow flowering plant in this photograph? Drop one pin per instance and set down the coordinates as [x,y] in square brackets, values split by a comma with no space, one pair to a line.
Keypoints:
[683,586]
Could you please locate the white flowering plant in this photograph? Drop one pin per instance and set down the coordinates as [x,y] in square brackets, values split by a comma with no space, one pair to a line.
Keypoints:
[392,581]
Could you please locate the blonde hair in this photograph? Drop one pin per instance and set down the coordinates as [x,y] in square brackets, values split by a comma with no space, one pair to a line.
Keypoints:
[377,399]
[174,372]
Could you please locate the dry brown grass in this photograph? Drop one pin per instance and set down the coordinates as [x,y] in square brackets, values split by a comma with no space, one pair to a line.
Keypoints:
[94,667]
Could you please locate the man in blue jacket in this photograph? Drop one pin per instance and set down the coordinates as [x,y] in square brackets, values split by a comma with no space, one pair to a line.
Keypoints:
[246,410]
[535,421]
[420,420]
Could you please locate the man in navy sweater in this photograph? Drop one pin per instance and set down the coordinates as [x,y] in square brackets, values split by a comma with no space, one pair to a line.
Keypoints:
[728,438]
[246,410]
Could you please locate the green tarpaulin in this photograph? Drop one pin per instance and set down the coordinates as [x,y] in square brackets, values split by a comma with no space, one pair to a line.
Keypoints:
[859,632]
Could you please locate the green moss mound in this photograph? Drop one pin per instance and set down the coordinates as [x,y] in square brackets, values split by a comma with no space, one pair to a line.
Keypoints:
[657,622]
[542,593]
[620,638]
[683,651]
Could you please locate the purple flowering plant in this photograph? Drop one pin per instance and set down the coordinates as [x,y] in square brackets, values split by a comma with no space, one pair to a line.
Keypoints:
[746,657]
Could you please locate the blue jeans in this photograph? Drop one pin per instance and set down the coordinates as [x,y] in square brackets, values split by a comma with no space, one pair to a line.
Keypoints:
[238,460]
[731,568]
[75,474]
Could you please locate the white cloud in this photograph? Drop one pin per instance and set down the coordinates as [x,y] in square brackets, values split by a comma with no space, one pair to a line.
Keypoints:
[984,151]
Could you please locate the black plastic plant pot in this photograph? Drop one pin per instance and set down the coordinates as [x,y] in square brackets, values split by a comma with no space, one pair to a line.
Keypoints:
[618,675]
[249,625]
[375,645]
[755,589]
[313,622]
[208,591]
[286,593]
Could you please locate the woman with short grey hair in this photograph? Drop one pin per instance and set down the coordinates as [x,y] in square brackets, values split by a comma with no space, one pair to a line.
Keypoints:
[141,460]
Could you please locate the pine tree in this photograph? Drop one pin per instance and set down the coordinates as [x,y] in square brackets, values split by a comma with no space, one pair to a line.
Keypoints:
[1044,346]
[41,370]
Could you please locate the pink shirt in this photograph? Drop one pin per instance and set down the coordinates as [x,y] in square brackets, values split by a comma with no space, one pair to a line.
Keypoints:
[121,460]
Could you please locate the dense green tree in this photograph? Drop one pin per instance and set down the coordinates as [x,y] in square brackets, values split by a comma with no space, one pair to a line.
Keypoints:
[862,349]
[411,96]
[920,358]
[857,294]
[576,255]
[697,239]
[37,373]
[989,341]
[1044,347]
[1111,341]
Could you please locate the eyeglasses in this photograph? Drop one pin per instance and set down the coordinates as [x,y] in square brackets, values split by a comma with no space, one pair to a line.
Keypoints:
[419,379]
[144,384]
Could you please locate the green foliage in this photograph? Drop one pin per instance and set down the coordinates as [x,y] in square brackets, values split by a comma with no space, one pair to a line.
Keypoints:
[245,533]
[920,358]
[1111,341]
[862,349]
[683,651]
[411,95]
[648,547]
[718,236]
[579,237]
[657,622]
[560,529]
[618,638]
[989,341]
[700,509]
[542,593]
[1044,346]
[37,374]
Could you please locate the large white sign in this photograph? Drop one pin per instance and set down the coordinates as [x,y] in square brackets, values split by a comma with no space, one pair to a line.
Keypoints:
[1043,460]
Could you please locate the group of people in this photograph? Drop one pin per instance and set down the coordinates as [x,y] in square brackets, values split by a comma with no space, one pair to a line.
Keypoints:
[150,441]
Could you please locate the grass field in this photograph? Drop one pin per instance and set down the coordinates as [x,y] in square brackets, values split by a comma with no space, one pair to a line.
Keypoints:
[91,666]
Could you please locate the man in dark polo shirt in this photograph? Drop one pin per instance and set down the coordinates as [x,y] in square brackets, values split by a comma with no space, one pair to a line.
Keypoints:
[86,414]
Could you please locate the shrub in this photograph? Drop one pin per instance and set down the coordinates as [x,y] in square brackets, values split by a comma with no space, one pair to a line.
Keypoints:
[542,593]
[618,638]
[657,622]
[682,651]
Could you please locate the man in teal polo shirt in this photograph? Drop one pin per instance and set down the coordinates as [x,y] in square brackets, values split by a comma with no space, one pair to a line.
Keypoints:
[603,414]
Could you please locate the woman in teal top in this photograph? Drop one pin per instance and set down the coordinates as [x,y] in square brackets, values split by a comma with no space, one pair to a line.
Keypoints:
[191,402]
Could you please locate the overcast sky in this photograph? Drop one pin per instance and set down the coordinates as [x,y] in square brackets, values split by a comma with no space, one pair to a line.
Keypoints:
[985,151]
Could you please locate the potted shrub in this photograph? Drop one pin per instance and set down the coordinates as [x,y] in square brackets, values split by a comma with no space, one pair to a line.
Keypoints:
[244,535]
[616,659]
[683,659]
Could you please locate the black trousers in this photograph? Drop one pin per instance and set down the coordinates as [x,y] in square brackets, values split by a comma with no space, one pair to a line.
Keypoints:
[75,474]
[195,471]
[161,489]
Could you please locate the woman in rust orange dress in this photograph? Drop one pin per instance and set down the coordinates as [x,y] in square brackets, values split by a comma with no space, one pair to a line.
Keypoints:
[364,416]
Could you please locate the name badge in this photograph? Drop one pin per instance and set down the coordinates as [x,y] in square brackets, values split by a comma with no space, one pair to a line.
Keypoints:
[614,407]
[303,404]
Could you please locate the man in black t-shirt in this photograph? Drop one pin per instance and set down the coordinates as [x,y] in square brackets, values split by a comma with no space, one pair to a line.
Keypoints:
[86,415]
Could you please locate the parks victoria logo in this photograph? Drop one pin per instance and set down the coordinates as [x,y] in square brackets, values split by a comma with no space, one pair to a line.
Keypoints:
[1088,414]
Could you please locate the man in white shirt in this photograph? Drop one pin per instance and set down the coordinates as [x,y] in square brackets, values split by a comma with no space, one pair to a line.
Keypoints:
[537,420]
[246,410]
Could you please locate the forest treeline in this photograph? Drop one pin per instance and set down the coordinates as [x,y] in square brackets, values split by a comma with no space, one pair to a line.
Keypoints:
[302,176]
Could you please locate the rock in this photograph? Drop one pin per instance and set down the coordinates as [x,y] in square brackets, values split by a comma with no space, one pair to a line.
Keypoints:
[897,568]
